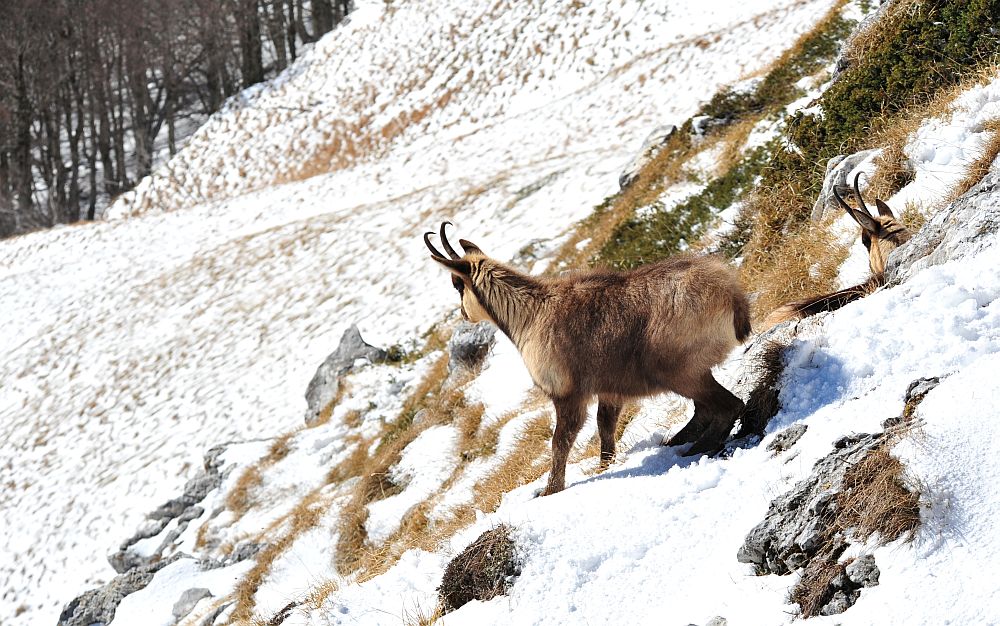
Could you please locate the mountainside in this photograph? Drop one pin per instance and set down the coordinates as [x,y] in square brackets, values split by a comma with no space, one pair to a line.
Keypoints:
[176,359]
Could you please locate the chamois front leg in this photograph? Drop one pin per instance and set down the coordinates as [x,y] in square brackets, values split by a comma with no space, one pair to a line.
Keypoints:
[607,420]
[570,415]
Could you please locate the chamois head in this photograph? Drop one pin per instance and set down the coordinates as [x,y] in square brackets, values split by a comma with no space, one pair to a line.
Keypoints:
[880,235]
[463,269]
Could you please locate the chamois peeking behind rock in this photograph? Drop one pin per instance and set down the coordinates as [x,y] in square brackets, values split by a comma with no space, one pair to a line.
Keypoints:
[613,335]
[880,235]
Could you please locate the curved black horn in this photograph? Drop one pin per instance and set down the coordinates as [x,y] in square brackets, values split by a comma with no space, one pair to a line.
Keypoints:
[430,246]
[857,194]
[444,241]
[841,201]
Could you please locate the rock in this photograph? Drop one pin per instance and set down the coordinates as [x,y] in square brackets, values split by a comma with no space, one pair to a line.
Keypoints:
[186,603]
[915,394]
[244,550]
[862,571]
[841,601]
[98,606]
[183,509]
[469,344]
[797,522]
[325,383]
[964,227]
[650,146]
[715,621]
[838,176]
[787,438]
[701,124]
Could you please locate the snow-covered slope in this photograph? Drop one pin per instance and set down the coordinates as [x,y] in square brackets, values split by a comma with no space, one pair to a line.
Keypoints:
[132,346]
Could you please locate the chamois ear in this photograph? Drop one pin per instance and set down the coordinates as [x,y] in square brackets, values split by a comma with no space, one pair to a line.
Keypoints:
[456,266]
[865,221]
[470,248]
[883,209]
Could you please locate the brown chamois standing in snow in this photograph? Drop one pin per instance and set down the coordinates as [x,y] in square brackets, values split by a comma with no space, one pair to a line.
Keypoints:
[880,236]
[614,335]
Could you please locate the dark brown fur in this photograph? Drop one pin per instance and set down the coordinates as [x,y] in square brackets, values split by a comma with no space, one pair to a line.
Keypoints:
[616,336]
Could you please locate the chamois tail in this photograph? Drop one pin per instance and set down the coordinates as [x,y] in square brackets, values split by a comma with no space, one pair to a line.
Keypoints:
[800,309]
[741,317]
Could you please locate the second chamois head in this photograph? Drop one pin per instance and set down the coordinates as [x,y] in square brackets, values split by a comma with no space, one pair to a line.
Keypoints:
[880,234]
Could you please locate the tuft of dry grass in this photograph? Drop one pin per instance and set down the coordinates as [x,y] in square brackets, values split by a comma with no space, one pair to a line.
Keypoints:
[526,463]
[241,497]
[875,498]
[814,588]
[782,265]
[305,516]
[981,166]
[482,571]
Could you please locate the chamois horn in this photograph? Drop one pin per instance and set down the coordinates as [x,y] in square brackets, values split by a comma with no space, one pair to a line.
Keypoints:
[444,241]
[857,194]
[430,246]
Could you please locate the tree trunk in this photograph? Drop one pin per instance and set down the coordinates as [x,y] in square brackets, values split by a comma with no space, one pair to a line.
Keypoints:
[248,24]
[21,155]
[322,17]
[276,32]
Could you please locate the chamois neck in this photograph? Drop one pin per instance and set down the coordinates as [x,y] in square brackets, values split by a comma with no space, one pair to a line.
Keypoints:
[510,297]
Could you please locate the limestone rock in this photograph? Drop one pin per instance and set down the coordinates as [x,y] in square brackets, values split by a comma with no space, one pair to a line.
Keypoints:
[650,146]
[787,438]
[838,170]
[325,383]
[469,344]
[796,522]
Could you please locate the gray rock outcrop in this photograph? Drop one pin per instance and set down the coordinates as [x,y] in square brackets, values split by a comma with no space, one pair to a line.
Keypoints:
[323,387]
[469,344]
[837,170]
[964,227]
[650,146]
[98,606]
[183,509]
[798,523]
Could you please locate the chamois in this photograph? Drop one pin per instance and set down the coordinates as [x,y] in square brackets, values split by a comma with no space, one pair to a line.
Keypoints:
[880,236]
[614,335]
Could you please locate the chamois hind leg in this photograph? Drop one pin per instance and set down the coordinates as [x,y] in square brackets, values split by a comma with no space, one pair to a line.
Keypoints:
[570,415]
[607,420]
[695,426]
[723,408]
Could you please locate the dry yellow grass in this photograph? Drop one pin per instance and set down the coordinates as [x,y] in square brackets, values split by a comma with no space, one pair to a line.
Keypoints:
[305,516]
[784,264]
[876,499]
[979,167]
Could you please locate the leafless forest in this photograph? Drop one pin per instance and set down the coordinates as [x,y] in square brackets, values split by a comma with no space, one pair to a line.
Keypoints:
[92,90]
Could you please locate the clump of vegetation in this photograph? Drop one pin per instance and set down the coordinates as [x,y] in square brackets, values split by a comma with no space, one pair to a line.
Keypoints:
[660,231]
[642,228]
[482,571]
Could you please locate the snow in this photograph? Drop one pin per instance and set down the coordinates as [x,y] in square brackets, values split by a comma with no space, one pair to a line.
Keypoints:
[200,319]
[423,467]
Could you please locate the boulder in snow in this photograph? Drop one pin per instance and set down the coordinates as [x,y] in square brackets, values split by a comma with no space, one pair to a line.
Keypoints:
[840,171]
[469,344]
[325,383]
[650,146]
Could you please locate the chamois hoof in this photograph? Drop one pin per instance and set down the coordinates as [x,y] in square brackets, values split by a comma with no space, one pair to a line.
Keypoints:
[680,437]
[706,445]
